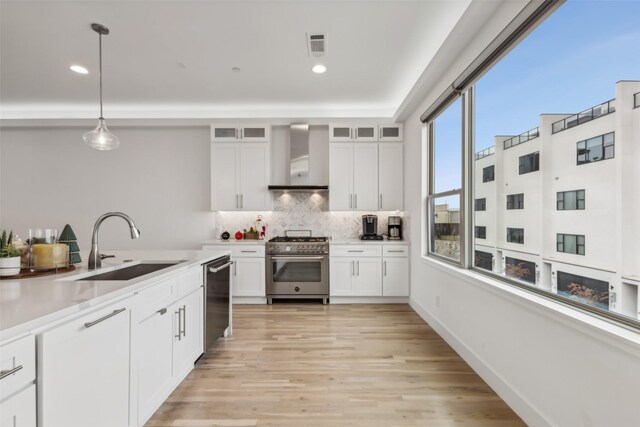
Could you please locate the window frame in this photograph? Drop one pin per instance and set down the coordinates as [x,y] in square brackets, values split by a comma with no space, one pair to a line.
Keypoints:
[515,201]
[483,203]
[603,146]
[561,198]
[493,173]
[477,228]
[535,163]
[520,233]
[561,242]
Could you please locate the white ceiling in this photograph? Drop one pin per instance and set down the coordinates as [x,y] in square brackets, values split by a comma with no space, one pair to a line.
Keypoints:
[377,50]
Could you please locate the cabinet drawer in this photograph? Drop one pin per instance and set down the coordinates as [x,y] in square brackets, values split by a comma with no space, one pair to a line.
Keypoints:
[395,250]
[247,251]
[356,250]
[19,410]
[189,281]
[19,357]
[156,297]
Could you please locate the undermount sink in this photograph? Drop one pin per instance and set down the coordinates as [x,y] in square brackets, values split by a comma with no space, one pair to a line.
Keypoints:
[131,272]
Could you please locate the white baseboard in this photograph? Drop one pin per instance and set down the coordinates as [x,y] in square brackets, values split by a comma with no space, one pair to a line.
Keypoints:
[249,300]
[368,300]
[517,402]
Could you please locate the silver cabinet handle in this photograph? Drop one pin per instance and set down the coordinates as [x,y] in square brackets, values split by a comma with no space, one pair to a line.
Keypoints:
[162,311]
[236,133]
[353,250]
[350,133]
[241,133]
[296,258]
[102,319]
[356,133]
[237,202]
[4,374]
[235,269]
[179,313]
[184,320]
[215,270]
[355,203]
[380,201]
[358,264]
[396,251]
[384,264]
[353,268]
[248,252]
[241,201]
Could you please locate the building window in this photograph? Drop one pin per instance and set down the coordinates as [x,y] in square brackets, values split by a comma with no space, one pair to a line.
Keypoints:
[595,149]
[481,232]
[481,205]
[488,174]
[445,193]
[515,235]
[520,269]
[584,289]
[529,163]
[483,260]
[515,201]
[570,243]
[570,200]
[636,100]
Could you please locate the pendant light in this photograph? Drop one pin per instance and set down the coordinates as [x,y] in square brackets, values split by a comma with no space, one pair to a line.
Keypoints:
[100,138]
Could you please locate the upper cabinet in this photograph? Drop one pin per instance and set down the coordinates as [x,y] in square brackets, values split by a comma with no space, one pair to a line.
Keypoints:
[366,132]
[237,133]
[390,176]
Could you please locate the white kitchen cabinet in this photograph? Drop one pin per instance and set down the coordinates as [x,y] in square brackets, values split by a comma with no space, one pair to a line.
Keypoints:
[240,176]
[341,276]
[235,133]
[83,370]
[249,277]
[395,277]
[392,132]
[188,332]
[357,276]
[353,132]
[353,176]
[390,176]
[19,410]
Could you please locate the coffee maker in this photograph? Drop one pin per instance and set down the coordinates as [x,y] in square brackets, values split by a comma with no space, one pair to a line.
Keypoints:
[395,228]
[370,228]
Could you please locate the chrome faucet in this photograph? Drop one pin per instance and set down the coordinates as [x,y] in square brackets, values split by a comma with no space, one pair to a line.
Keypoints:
[95,258]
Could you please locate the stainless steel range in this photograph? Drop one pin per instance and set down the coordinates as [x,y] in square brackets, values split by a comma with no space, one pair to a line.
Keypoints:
[297,267]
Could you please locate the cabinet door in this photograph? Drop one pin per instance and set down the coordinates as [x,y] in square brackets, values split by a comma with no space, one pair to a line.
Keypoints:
[249,277]
[340,133]
[368,277]
[20,409]
[390,133]
[83,375]
[224,133]
[365,176]
[188,332]
[255,133]
[366,133]
[225,160]
[254,177]
[342,274]
[154,349]
[390,176]
[395,277]
[341,176]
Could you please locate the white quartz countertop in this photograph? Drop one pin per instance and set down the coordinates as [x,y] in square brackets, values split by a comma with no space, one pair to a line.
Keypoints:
[27,304]
[368,242]
[234,242]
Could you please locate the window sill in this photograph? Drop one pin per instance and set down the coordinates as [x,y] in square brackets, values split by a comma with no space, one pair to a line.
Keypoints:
[624,338]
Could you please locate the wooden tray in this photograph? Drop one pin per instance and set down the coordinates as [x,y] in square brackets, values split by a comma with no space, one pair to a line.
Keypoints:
[26,273]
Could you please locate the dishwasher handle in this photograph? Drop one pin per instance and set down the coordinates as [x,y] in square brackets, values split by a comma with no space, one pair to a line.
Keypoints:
[222,267]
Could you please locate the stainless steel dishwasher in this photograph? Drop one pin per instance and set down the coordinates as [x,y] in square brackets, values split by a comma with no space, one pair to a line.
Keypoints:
[217,300]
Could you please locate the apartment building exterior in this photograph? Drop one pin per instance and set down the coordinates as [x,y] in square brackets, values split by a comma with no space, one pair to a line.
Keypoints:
[558,206]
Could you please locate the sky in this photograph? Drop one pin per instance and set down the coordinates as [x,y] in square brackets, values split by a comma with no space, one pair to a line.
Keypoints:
[570,63]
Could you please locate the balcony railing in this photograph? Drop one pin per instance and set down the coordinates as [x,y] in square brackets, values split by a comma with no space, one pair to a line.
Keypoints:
[486,152]
[636,100]
[523,137]
[584,116]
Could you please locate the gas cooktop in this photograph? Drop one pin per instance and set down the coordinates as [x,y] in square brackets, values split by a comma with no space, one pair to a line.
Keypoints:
[298,239]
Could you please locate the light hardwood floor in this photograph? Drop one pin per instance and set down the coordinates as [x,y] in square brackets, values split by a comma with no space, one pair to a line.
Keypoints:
[334,365]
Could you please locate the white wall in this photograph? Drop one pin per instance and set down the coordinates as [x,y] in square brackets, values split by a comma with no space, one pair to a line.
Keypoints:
[158,176]
[550,368]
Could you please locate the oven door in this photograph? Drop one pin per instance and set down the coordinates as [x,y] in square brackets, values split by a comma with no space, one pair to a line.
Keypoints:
[297,275]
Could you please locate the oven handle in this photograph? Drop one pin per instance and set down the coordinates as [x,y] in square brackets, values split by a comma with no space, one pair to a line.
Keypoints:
[296,258]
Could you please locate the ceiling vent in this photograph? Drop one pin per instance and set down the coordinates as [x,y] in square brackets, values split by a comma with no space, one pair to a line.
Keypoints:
[317,44]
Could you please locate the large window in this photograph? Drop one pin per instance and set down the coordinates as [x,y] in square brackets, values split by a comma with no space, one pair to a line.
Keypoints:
[445,194]
[571,118]
[596,149]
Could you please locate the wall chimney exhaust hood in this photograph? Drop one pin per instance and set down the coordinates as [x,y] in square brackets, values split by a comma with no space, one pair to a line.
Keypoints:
[298,176]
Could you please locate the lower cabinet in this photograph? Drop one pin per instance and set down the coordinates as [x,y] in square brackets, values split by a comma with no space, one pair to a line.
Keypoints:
[369,270]
[249,277]
[188,332]
[83,370]
[19,410]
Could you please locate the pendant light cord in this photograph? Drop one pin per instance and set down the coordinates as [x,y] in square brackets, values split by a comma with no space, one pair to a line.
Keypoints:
[100,66]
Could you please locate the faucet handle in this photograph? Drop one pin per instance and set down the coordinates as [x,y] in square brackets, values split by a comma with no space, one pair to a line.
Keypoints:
[103,256]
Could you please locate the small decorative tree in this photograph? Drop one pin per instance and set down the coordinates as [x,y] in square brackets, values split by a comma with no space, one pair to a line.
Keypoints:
[68,236]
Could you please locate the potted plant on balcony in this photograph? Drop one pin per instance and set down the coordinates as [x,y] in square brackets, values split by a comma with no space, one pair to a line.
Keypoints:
[9,255]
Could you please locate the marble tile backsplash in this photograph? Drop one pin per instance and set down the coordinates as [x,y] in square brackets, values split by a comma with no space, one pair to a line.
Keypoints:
[301,211]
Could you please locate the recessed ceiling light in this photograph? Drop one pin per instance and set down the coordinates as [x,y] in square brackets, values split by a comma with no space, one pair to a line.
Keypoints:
[79,69]
[319,69]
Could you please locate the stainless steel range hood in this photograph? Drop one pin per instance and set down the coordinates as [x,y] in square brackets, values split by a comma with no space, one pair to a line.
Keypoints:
[298,176]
